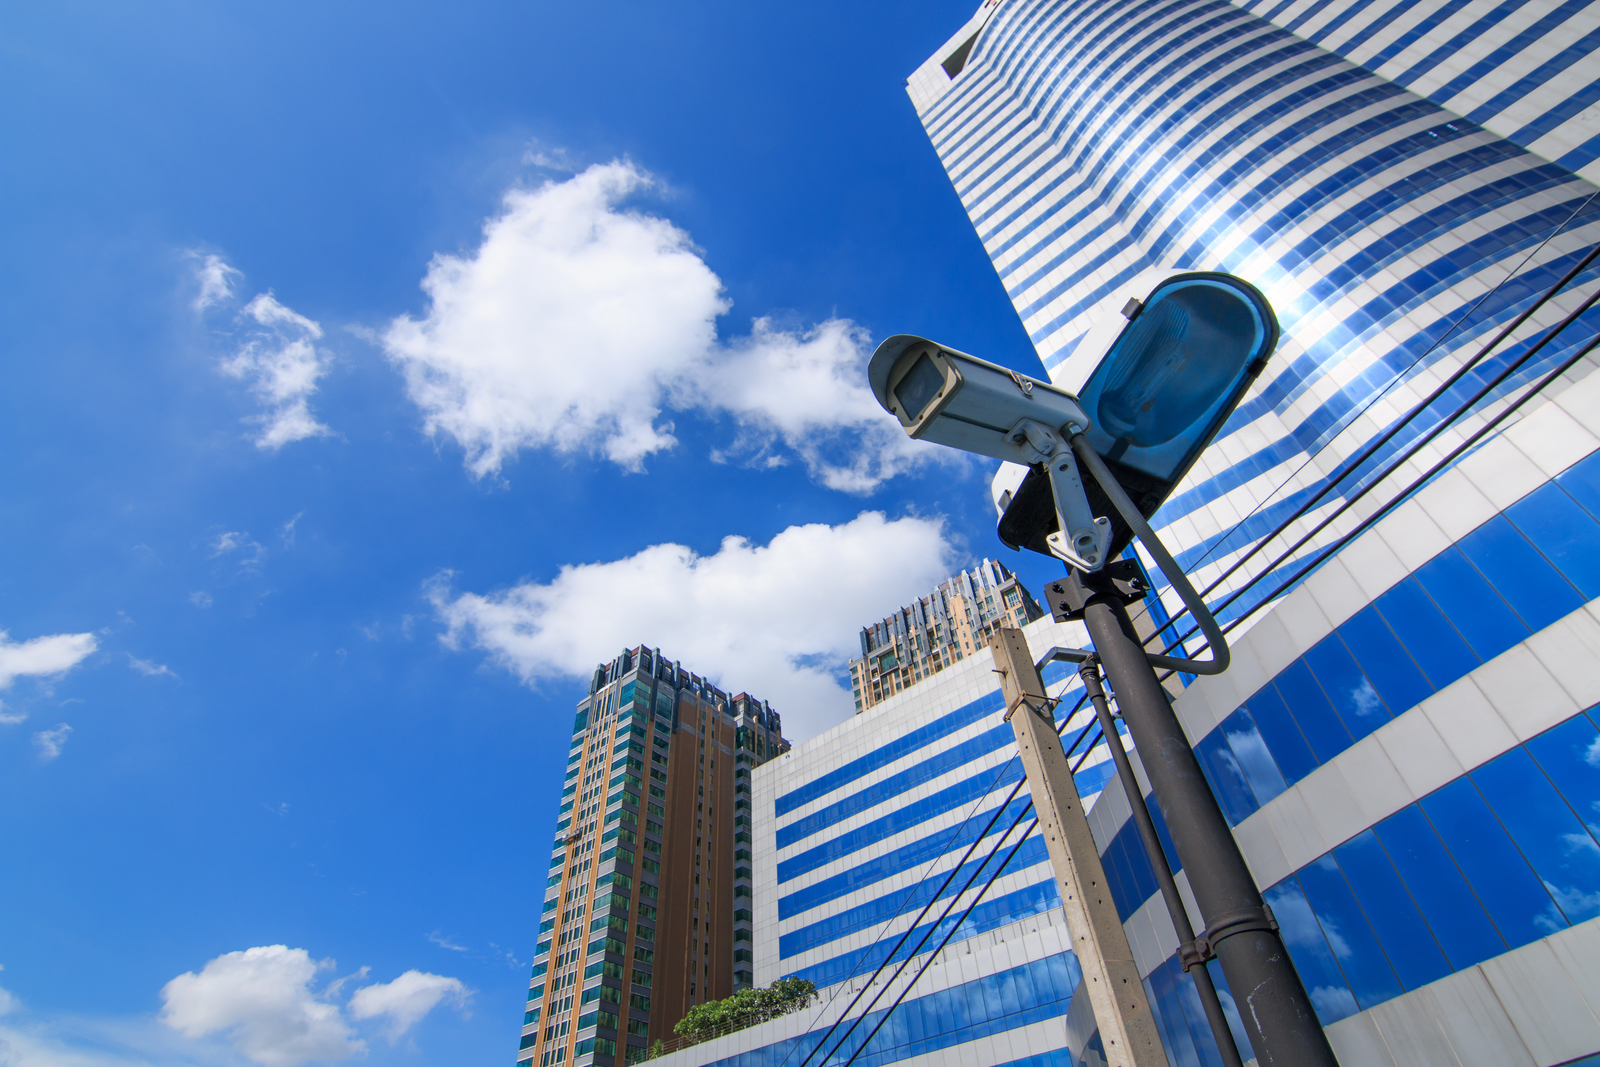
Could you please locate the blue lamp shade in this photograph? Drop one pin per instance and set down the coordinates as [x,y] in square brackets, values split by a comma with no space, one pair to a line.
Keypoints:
[1177,371]
[1166,386]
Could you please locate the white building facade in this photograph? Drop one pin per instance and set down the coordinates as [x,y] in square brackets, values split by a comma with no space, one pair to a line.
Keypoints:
[1401,524]
[1400,521]
[860,829]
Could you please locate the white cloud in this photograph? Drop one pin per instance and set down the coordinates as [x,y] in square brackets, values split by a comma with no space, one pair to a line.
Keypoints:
[200,598]
[282,365]
[444,942]
[259,1004]
[42,656]
[577,322]
[78,1041]
[50,742]
[406,999]
[778,620]
[149,668]
[809,391]
[215,279]
[277,356]
[11,718]
[558,159]
[236,541]
[262,999]
[563,329]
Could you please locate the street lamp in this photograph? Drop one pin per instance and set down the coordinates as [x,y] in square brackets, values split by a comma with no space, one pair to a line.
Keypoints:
[1092,469]
[1167,383]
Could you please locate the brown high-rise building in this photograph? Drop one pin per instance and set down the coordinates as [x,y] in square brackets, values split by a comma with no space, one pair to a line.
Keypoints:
[648,908]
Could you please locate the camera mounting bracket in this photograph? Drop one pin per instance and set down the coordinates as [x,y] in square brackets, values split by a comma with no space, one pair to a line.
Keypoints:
[1082,538]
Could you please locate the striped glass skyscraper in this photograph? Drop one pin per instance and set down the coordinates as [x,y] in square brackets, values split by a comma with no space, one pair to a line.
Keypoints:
[1310,149]
[1400,524]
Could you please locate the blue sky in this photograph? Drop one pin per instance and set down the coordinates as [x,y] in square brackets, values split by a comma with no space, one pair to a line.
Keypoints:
[372,371]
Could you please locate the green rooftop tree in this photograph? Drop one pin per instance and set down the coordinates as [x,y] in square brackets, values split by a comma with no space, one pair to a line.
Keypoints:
[745,1008]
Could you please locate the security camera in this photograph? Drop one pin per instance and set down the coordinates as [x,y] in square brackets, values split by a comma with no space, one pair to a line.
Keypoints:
[952,398]
[942,395]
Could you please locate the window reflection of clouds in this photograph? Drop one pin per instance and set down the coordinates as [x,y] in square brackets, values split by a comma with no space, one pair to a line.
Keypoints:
[1255,762]
[1493,860]
[1365,699]
[1430,629]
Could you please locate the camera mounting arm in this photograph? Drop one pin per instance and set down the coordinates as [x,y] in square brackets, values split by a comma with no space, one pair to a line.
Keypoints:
[1081,538]
[1220,656]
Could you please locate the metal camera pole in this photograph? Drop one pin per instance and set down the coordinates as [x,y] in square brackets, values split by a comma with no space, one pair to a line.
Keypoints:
[1188,953]
[1240,930]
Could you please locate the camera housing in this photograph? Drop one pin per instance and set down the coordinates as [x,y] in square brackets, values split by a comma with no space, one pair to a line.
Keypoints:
[959,400]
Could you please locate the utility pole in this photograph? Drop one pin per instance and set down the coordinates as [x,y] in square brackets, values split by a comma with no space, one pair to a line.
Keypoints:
[1110,976]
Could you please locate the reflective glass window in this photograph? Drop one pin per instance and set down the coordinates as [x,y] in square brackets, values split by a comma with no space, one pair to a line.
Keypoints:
[1393,674]
[1570,755]
[1222,771]
[1121,877]
[1439,889]
[1229,1005]
[1318,968]
[1010,999]
[1405,935]
[1307,696]
[1568,535]
[1582,481]
[1502,879]
[1027,991]
[1534,589]
[1481,614]
[1552,839]
[1437,646]
[1194,1014]
[1254,758]
[1288,745]
[1365,966]
[1064,974]
[1179,1043]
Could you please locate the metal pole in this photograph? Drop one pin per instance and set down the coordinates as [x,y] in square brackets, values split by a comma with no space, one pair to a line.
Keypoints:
[1188,954]
[1273,1004]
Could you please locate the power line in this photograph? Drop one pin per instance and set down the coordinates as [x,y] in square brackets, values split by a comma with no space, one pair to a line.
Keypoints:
[951,907]
[948,879]
[1398,379]
[1377,480]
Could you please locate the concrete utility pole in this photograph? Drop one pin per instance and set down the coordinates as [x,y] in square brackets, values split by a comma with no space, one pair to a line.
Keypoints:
[1110,977]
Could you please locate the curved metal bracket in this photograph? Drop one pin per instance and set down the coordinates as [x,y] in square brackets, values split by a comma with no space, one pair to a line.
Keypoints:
[1220,656]
[1071,655]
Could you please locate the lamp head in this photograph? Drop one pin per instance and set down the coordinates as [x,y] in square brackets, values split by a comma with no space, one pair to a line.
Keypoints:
[1168,382]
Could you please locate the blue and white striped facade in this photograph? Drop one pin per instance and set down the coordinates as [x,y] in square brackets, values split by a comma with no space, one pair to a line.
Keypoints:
[856,830]
[1408,742]
[1096,143]
[1525,71]
[1406,745]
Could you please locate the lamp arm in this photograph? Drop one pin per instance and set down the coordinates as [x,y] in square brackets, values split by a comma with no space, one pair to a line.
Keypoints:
[1071,655]
[1220,657]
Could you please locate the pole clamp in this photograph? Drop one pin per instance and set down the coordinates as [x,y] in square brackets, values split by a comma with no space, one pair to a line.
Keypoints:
[1045,710]
[1231,923]
[1190,956]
